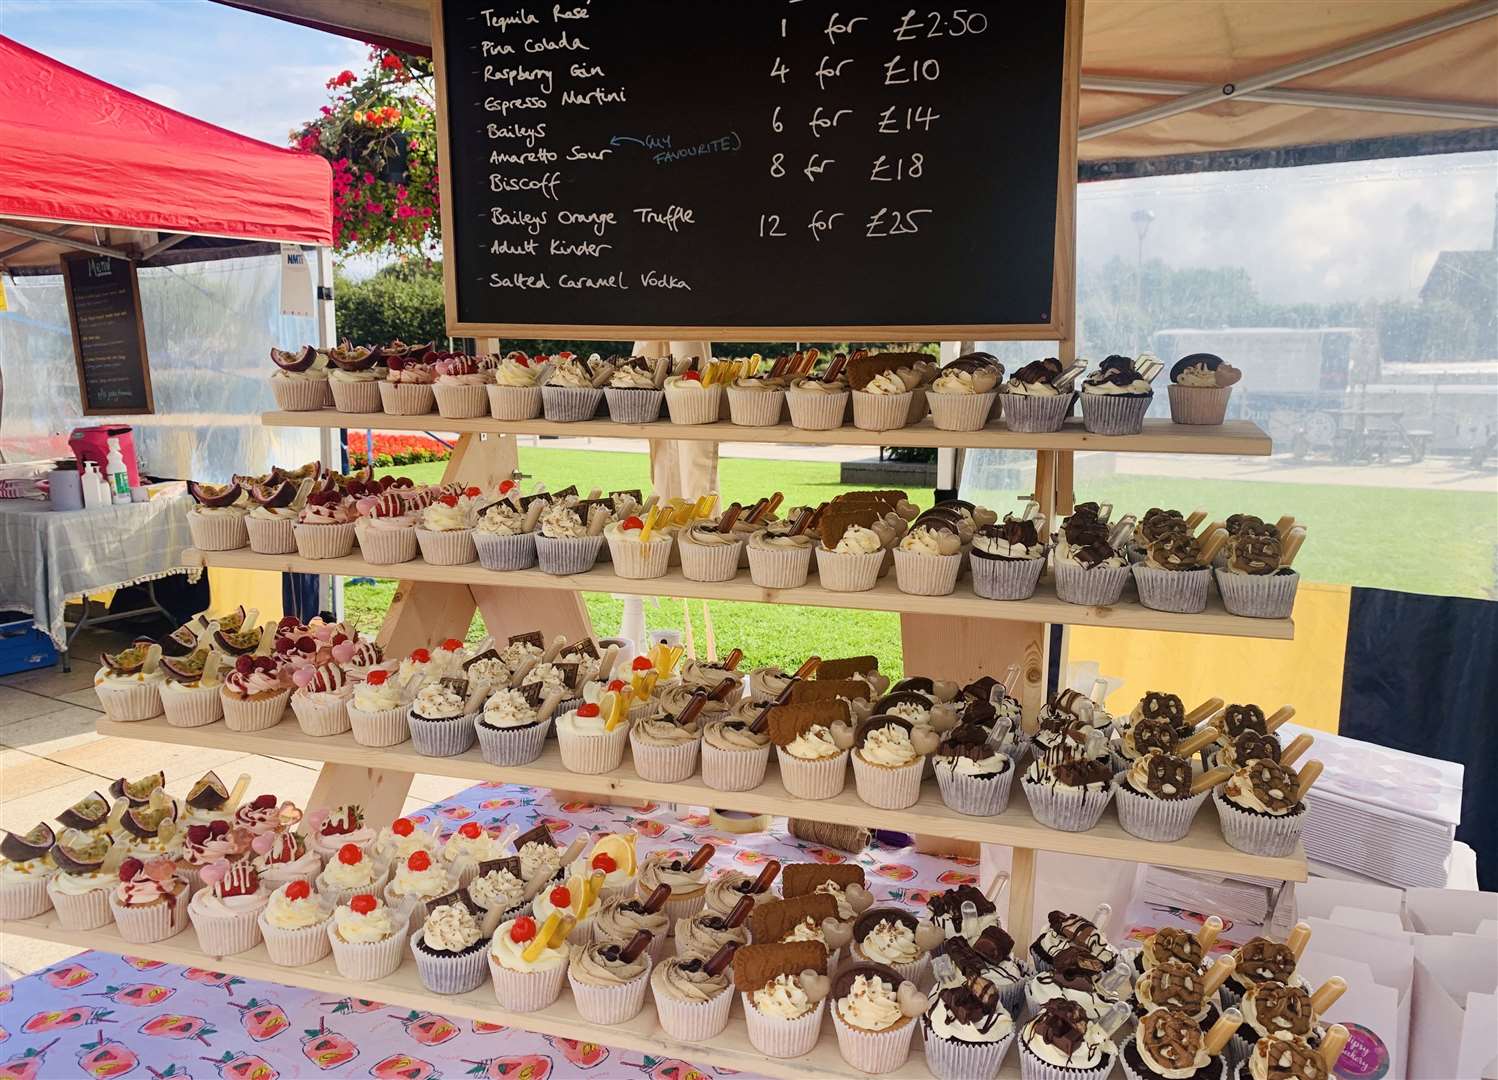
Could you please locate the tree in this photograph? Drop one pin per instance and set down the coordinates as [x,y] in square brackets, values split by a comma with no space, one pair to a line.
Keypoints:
[403,301]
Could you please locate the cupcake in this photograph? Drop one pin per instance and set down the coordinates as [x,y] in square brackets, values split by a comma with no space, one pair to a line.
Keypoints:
[26,865]
[528,963]
[1176,573]
[202,843]
[255,693]
[884,401]
[282,857]
[964,393]
[400,838]
[1261,959]
[78,890]
[300,381]
[149,903]
[632,394]
[990,956]
[734,756]
[499,889]
[320,700]
[637,552]
[812,745]
[263,814]
[572,390]
[329,829]
[417,879]
[975,776]
[190,688]
[949,914]
[1256,579]
[756,400]
[1062,1043]
[1089,559]
[1157,797]
[512,729]
[1007,558]
[469,846]
[539,855]
[1038,397]
[665,747]
[693,996]
[620,918]
[850,555]
[128,683]
[226,913]
[1182,987]
[573,898]
[1283,1056]
[1117,395]
[588,742]
[1200,385]
[1262,806]
[967,1032]
[1074,975]
[325,526]
[810,917]
[355,378]
[889,756]
[565,544]
[445,534]
[294,925]
[818,403]
[710,550]
[702,936]
[728,890]
[684,877]
[407,387]
[1170,943]
[608,981]
[271,530]
[377,711]
[927,559]
[1064,931]
[874,1014]
[449,947]
[349,872]
[784,990]
[385,529]
[690,400]
[504,535]
[459,387]
[1268,1008]
[1167,1044]
[898,940]
[440,721]
[515,393]
[613,855]
[368,939]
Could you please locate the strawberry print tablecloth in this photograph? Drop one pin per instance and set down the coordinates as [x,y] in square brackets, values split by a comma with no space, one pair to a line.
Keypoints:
[109,1016]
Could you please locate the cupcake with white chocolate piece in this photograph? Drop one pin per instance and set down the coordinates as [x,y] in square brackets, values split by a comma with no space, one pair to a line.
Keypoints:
[812,742]
[896,938]
[1200,385]
[874,1013]
[784,989]
[963,395]
[927,558]
[1116,396]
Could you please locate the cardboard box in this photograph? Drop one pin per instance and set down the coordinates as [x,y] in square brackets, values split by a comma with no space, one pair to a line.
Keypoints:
[1379,968]
[1453,1029]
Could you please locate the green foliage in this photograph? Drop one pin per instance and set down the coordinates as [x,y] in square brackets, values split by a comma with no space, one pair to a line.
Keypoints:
[402,301]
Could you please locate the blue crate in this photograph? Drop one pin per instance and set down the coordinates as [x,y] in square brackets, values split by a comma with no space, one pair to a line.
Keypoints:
[22,646]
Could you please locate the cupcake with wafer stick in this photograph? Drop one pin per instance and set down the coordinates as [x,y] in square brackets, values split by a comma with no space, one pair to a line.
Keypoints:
[1257,579]
[1186,988]
[1270,1007]
[812,742]
[784,989]
[634,392]
[1261,959]
[1158,796]
[609,980]
[1176,573]
[726,890]
[684,876]
[621,917]
[1248,734]
[1288,1057]
[1262,805]
[1160,722]
[1171,944]
[1169,1045]
[710,549]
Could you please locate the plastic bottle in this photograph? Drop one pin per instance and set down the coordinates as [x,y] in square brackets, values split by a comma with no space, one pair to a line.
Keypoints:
[95,494]
[118,479]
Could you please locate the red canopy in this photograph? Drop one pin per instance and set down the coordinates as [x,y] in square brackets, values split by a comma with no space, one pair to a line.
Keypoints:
[82,152]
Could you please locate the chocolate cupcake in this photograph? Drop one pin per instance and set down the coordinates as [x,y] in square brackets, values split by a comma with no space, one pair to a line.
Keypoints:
[967,1032]
[974,775]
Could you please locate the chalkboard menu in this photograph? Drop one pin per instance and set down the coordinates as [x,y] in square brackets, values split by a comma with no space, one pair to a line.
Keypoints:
[651,168]
[109,340]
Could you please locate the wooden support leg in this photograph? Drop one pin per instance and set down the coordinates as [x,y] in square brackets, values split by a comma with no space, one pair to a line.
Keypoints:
[1021,894]
[380,792]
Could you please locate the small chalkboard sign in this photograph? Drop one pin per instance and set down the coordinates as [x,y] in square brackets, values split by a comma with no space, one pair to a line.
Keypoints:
[109,336]
[807,169]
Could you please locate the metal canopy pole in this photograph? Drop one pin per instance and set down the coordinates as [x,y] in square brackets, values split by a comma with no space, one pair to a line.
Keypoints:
[64,240]
[331,586]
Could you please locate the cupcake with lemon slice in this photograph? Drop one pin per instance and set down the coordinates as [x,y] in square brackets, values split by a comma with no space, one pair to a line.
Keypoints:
[592,736]
[614,855]
[528,961]
[576,899]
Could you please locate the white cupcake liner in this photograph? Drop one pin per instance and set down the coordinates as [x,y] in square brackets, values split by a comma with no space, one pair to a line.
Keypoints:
[299,395]
[634,405]
[960,412]
[249,714]
[512,746]
[813,410]
[407,399]
[1199,404]
[664,764]
[226,935]
[1266,596]
[1155,819]
[514,402]
[733,770]
[1258,834]
[568,555]
[698,406]
[1115,414]
[692,1021]
[270,536]
[320,719]
[526,991]
[1005,579]
[881,412]
[972,796]
[926,575]
[351,396]
[154,922]
[1183,591]
[25,899]
[570,404]
[778,1038]
[460,402]
[217,532]
[593,754]
[131,702]
[610,1004]
[755,408]
[453,547]
[701,562]
[820,779]
[886,788]
[1033,1068]
[386,547]
[325,541]
[1036,415]
[1099,587]
[1069,811]
[77,911]
[366,961]
[637,561]
[848,573]
[295,948]
[874,1051]
[442,738]
[779,568]
[499,552]
[451,974]
[382,727]
[950,1059]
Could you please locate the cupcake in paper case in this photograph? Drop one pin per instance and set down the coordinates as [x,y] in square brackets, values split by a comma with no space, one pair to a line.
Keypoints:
[512,728]
[690,401]
[355,378]
[528,963]
[377,711]
[1068,930]
[349,872]
[684,875]
[588,744]
[445,533]
[710,550]
[573,388]
[150,901]
[734,757]
[927,559]
[756,401]
[294,925]
[966,1031]
[874,1013]
[1200,385]
[515,393]
[449,948]
[703,935]
[632,394]
[619,918]
[407,387]
[499,889]
[609,980]
[565,542]
[567,899]
[1283,1056]
[693,995]
[812,744]
[418,879]
[1092,574]
[1069,795]
[635,553]
[190,688]
[851,553]
[271,530]
[282,856]
[320,701]
[1007,558]
[963,395]
[784,989]
[225,913]
[1255,579]
[1262,960]
[78,890]
[1062,1043]
[26,867]
[441,718]
[817,404]
[1037,397]
[1176,574]
[988,954]
[889,758]
[1170,984]
[385,529]
[368,938]
[975,776]
[468,847]
[325,526]
[882,402]
[1076,975]
[255,693]
[128,682]
[504,534]
[664,748]
[1117,395]
[1262,806]
[300,381]
[779,560]
[1268,1008]
[459,388]
[897,939]
[1157,797]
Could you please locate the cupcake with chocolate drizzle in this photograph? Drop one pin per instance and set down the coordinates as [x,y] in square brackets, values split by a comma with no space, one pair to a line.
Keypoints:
[1077,975]
[1069,795]
[1116,396]
[975,775]
[1007,557]
[1090,559]
[1061,1042]
[1064,930]
[967,1031]
[1039,395]
[1262,805]
[989,955]
[1271,1007]
[1158,796]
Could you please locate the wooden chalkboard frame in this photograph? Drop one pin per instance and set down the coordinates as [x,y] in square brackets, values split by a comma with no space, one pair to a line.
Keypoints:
[1063,273]
[89,409]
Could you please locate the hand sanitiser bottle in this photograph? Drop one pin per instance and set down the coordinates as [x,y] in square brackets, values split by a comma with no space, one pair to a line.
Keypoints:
[118,478]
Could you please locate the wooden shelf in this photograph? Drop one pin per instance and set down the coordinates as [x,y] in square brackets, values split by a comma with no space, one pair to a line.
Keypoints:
[1203,848]
[731,1049]
[1236,437]
[1043,607]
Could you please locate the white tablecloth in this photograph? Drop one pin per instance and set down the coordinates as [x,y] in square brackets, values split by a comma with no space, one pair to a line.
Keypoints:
[48,557]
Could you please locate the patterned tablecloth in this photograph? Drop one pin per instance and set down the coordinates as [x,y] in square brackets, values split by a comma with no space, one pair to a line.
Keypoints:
[109,1016]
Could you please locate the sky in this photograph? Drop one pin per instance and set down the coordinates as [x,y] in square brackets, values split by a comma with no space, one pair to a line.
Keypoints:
[1368,230]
